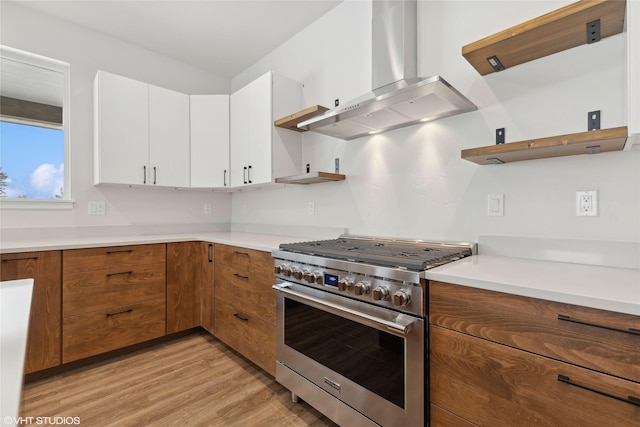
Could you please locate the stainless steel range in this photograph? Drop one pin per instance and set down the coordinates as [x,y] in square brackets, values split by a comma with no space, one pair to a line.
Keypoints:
[351,334]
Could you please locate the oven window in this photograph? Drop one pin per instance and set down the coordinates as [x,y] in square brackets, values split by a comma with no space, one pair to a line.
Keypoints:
[371,358]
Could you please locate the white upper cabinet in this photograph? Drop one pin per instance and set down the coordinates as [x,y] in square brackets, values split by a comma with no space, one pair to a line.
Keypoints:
[141,133]
[210,141]
[260,152]
[121,130]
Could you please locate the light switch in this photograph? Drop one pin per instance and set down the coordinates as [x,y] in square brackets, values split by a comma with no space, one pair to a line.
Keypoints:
[495,205]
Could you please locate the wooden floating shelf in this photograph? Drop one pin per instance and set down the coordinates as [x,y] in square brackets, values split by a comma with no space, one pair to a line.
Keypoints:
[291,122]
[311,178]
[550,33]
[591,142]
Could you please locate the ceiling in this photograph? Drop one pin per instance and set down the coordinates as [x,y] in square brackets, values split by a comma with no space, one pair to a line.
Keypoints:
[221,36]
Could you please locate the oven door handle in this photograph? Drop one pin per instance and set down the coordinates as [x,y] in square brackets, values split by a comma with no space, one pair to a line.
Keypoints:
[400,329]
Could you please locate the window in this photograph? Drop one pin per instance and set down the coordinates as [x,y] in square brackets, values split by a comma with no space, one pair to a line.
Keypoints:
[34,131]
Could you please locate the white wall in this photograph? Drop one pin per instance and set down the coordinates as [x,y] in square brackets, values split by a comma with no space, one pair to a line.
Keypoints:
[87,52]
[411,182]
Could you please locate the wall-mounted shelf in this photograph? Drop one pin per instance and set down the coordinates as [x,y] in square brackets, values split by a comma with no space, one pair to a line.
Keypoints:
[291,122]
[311,178]
[591,142]
[550,33]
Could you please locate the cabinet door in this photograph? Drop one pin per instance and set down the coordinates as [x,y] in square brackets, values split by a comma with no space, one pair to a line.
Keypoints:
[207,305]
[121,130]
[209,141]
[239,137]
[184,283]
[44,338]
[260,127]
[168,138]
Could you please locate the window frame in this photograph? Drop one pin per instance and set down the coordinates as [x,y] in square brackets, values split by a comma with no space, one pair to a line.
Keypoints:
[65,69]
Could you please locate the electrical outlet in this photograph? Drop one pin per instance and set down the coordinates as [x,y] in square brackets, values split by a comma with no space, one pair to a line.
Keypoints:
[207,208]
[97,208]
[495,205]
[587,203]
[311,208]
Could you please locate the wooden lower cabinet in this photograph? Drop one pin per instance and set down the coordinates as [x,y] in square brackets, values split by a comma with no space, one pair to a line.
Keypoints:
[443,418]
[245,303]
[250,336]
[493,384]
[44,336]
[207,304]
[96,332]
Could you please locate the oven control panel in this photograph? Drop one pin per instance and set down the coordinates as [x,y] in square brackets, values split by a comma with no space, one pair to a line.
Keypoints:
[399,295]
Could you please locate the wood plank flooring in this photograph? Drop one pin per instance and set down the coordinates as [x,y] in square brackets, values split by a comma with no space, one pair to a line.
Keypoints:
[194,380]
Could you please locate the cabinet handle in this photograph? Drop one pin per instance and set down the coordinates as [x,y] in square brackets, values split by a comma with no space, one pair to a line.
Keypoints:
[120,312]
[241,277]
[631,331]
[224,178]
[118,274]
[31,258]
[244,319]
[241,253]
[244,175]
[210,253]
[144,171]
[128,251]
[249,174]
[631,399]
[155,175]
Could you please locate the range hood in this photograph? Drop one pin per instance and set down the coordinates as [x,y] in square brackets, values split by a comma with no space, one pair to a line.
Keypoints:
[399,97]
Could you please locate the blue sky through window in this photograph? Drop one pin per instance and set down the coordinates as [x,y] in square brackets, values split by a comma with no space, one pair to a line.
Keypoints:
[33,159]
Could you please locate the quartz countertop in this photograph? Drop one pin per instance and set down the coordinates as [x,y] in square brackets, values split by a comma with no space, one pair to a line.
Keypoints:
[608,288]
[15,306]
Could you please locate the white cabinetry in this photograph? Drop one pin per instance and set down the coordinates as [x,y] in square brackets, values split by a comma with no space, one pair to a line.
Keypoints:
[141,133]
[259,150]
[210,141]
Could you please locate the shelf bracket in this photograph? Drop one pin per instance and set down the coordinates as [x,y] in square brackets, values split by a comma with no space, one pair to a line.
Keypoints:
[593,31]
[593,121]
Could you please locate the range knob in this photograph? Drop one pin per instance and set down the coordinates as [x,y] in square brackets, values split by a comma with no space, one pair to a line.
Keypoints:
[401,298]
[362,288]
[280,268]
[381,293]
[345,284]
[317,276]
[286,270]
[313,277]
[297,273]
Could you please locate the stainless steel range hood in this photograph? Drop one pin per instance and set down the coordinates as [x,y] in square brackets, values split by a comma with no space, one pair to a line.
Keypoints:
[399,97]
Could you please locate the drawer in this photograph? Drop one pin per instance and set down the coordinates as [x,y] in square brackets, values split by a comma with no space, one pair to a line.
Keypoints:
[251,337]
[243,259]
[77,260]
[495,385]
[534,325]
[247,290]
[88,334]
[442,418]
[102,289]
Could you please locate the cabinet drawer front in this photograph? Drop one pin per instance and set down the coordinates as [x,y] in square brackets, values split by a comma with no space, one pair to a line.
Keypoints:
[533,325]
[439,417]
[243,259]
[251,292]
[492,384]
[102,289]
[251,337]
[88,334]
[77,260]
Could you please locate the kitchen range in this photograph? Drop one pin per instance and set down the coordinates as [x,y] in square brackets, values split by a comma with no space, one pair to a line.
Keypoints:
[351,331]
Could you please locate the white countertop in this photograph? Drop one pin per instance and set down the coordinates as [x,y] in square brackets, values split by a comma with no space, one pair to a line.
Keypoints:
[608,288]
[262,242]
[15,306]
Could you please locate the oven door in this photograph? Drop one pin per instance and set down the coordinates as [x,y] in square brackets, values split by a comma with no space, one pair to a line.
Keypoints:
[357,363]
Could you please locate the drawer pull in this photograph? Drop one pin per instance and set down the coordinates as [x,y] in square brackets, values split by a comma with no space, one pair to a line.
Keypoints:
[210,253]
[241,253]
[32,258]
[240,276]
[244,319]
[631,331]
[120,312]
[631,399]
[117,274]
[123,251]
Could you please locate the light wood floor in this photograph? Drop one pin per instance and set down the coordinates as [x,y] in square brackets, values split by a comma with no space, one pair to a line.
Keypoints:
[192,381]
